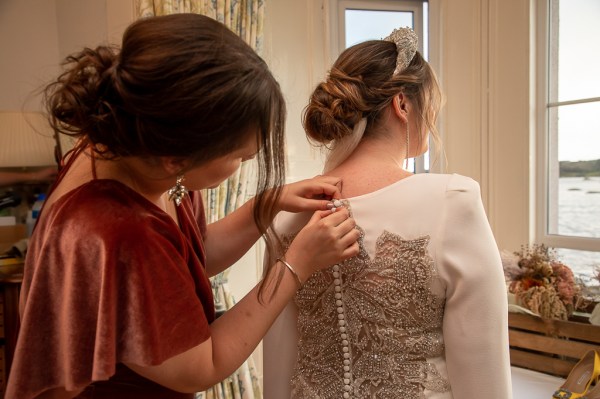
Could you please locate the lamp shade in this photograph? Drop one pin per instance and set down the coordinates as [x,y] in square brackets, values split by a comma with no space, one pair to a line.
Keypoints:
[26,139]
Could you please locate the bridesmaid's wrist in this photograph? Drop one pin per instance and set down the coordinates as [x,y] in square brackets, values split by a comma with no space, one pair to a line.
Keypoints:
[291,269]
[300,267]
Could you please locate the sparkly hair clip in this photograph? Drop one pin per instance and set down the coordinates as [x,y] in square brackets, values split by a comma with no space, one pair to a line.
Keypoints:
[406,41]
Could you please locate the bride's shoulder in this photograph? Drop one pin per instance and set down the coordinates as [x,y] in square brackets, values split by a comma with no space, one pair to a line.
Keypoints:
[452,181]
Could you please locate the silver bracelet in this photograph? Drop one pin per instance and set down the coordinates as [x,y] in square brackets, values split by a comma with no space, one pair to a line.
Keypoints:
[292,270]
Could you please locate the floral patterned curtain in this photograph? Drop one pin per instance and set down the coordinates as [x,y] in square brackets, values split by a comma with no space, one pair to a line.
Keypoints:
[245,18]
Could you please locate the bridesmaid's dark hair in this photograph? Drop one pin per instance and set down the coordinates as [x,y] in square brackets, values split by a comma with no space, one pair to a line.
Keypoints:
[181,85]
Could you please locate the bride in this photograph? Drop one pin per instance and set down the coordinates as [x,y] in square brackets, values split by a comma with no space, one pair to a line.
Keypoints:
[421,312]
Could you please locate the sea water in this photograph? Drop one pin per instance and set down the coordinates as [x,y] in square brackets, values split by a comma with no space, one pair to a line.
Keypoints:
[579,216]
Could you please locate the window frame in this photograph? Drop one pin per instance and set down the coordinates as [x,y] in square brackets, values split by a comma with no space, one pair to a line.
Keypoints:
[340,6]
[337,32]
[546,146]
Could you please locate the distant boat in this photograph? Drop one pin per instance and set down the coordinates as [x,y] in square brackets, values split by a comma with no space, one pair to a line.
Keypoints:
[575,189]
[593,192]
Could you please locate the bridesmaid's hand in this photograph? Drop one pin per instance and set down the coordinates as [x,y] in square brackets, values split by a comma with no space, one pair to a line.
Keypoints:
[328,238]
[310,194]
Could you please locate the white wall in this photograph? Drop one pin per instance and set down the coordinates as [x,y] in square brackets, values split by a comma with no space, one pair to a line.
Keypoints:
[485,68]
[29,51]
[36,35]
[295,49]
[80,24]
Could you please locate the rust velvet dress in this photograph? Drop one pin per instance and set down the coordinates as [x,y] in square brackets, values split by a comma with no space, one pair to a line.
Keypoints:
[110,278]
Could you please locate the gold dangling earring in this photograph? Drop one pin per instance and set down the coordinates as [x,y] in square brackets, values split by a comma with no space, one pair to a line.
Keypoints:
[407,143]
[177,192]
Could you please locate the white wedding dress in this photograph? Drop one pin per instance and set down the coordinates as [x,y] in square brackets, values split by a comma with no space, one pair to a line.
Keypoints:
[421,312]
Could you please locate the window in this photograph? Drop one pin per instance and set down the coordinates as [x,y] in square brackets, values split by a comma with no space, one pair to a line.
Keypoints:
[569,127]
[355,21]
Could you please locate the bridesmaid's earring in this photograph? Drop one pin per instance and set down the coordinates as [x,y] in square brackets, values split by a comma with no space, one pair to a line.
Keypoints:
[177,192]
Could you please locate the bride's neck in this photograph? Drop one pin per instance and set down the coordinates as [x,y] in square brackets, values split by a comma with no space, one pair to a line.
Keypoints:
[379,154]
[374,164]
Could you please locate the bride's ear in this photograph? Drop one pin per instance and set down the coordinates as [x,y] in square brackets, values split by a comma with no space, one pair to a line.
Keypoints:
[400,105]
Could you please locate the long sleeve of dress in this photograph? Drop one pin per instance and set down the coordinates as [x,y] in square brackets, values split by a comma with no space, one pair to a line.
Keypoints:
[475,325]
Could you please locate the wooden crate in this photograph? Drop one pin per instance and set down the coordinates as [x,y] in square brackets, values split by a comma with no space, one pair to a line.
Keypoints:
[550,346]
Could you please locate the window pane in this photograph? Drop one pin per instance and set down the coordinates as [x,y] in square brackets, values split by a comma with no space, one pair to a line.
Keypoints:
[363,25]
[579,207]
[578,131]
[574,207]
[583,263]
[574,52]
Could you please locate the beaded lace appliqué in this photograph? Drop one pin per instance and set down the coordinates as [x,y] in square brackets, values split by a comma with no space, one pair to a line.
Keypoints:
[367,326]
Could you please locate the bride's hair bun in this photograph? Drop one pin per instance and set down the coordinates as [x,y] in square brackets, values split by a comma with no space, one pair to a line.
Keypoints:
[359,85]
[362,83]
[336,105]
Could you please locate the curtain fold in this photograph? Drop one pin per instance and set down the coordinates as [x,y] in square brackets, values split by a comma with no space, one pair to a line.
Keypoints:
[245,18]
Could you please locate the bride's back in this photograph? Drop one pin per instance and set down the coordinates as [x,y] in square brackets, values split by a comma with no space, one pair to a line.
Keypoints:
[402,319]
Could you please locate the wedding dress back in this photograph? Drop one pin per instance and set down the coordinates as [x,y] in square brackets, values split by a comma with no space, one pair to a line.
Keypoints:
[420,313]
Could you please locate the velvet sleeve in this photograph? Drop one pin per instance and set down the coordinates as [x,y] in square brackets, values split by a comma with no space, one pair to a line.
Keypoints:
[105,283]
[475,324]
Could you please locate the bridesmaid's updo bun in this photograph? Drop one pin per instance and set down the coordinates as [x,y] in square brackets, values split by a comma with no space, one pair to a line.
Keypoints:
[181,85]
[84,97]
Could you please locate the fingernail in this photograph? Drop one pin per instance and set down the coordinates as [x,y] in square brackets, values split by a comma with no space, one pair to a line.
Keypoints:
[333,209]
[330,205]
